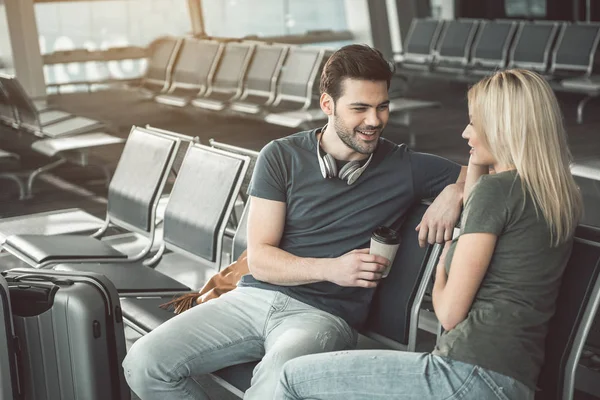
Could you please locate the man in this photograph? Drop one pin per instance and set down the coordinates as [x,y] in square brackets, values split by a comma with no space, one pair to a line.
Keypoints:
[311,278]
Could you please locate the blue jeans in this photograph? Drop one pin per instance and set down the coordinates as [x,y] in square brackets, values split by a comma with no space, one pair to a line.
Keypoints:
[391,375]
[246,324]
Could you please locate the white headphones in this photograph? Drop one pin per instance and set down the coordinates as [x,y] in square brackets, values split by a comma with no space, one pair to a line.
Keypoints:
[349,172]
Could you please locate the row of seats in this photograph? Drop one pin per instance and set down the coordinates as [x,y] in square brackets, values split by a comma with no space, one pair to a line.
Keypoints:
[192,249]
[272,82]
[55,134]
[248,77]
[466,49]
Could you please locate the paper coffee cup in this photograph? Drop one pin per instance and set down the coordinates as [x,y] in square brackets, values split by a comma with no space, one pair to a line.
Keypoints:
[385,242]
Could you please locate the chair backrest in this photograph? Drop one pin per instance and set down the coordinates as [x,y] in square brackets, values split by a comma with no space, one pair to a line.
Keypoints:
[298,75]
[422,39]
[455,42]
[576,308]
[196,64]
[264,70]
[251,154]
[533,42]
[201,202]
[18,97]
[232,68]
[390,315]
[492,43]
[575,49]
[162,54]
[139,179]
[587,176]
[8,113]
[240,239]
[186,141]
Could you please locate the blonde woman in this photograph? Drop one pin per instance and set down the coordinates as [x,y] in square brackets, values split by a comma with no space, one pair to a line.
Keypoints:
[497,283]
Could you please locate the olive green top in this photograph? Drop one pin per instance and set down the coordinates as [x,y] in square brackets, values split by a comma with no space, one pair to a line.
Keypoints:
[506,327]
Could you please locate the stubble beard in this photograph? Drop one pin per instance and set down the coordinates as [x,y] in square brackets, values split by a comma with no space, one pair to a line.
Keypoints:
[350,139]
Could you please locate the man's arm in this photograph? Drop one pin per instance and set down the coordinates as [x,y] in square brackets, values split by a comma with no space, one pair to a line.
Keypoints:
[268,263]
[442,215]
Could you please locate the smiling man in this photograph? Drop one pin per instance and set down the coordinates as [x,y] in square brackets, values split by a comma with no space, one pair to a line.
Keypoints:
[316,197]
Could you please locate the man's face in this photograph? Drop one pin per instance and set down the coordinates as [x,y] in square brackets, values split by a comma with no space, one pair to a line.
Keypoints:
[361,113]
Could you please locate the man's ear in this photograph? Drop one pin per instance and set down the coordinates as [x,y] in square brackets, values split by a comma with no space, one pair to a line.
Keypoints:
[327,104]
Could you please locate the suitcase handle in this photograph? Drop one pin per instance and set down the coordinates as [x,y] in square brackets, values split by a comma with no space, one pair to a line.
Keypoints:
[43,278]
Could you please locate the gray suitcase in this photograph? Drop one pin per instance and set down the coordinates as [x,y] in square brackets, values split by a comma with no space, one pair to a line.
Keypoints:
[9,385]
[70,329]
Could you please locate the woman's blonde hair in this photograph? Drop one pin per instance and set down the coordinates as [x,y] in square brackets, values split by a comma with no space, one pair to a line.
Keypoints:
[518,118]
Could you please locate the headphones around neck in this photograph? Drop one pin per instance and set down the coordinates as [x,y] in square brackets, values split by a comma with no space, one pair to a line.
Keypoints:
[349,172]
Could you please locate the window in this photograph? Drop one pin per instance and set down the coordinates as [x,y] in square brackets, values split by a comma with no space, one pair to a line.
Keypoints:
[525,8]
[5,46]
[99,25]
[230,18]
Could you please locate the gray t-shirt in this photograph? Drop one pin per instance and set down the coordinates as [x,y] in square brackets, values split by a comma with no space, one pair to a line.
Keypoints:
[328,217]
[506,327]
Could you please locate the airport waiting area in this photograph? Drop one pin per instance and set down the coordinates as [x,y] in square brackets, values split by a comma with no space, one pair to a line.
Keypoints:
[144,184]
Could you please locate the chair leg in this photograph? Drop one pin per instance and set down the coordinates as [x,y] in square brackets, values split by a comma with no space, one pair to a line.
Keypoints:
[581,106]
[17,180]
[41,170]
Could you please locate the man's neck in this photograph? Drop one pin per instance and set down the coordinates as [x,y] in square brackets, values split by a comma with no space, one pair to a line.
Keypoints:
[332,144]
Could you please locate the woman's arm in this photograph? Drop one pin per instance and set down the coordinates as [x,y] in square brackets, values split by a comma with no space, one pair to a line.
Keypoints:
[474,172]
[453,295]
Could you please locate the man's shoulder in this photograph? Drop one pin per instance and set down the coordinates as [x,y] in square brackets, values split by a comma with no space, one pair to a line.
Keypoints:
[299,139]
[387,149]
[290,144]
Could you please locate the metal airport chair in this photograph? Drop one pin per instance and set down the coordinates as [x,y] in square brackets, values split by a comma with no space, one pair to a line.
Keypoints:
[195,218]
[420,43]
[243,196]
[52,123]
[294,87]
[576,309]
[228,81]
[491,47]
[11,158]
[133,196]
[575,58]
[575,50]
[8,112]
[65,139]
[587,176]
[454,46]
[193,71]
[251,154]
[297,80]
[533,44]
[163,53]
[260,85]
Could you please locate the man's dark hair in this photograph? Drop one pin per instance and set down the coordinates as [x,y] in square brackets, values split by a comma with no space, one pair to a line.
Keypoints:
[355,61]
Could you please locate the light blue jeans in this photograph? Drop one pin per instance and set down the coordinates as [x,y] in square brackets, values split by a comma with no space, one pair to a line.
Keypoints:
[246,324]
[391,375]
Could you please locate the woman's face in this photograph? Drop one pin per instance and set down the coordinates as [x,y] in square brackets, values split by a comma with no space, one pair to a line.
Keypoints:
[480,155]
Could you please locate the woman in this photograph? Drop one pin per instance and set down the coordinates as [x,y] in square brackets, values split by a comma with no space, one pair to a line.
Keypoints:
[496,285]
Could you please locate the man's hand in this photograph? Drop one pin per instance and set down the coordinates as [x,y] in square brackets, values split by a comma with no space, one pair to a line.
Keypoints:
[357,268]
[441,217]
